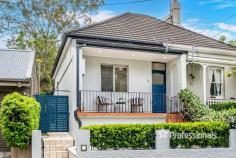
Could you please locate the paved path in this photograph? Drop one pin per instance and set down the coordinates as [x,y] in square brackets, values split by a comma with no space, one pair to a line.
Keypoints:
[174,153]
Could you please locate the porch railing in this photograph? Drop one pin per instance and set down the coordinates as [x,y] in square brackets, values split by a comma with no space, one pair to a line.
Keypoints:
[213,101]
[175,105]
[175,110]
[122,102]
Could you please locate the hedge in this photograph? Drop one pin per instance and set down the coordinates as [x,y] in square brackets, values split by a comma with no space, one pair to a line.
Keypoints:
[223,106]
[115,137]
[19,115]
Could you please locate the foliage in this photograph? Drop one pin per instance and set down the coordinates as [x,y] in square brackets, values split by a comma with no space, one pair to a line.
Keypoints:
[194,108]
[231,73]
[223,106]
[143,136]
[232,43]
[222,38]
[196,111]
[19,115]
[40,24]
[231,113]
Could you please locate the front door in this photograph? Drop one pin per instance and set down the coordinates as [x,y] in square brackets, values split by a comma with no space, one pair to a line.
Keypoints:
[159,91]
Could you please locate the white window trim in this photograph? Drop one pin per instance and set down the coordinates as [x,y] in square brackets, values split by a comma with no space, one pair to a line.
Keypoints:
[114,75]
[222,96]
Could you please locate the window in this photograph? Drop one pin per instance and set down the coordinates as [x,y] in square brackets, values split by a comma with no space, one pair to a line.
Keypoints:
[158,79]
[114,78]
[107,77]
[216,89]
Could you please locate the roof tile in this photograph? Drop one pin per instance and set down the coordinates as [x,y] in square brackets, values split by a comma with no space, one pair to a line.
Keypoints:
[146,28]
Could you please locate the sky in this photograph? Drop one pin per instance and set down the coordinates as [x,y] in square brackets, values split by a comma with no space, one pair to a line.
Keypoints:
[209,17]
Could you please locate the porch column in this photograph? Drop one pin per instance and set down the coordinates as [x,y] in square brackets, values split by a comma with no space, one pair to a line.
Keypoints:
[204,66]
[182,72]
[80,68]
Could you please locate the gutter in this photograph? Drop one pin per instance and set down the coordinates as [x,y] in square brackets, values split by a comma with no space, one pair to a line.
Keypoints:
[13,83]
[204,49]
[125,44]
[78,94]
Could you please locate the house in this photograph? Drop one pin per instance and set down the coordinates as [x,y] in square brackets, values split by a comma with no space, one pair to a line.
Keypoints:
[17,74]
[128,69]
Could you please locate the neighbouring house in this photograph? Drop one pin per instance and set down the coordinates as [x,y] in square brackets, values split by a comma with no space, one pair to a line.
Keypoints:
[17,74]
[128,69]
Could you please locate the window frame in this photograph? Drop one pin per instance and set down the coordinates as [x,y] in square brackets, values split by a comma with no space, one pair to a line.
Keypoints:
[114,75]
[215,68]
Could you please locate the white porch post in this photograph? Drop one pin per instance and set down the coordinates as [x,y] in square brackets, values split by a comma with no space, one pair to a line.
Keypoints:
[182,72]
[80,67]
[204,66]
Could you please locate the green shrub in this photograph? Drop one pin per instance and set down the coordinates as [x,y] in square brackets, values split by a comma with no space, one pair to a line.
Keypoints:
[105,137]
[196,111]
[223,106]
[194,108]
[231,113]
[19,115]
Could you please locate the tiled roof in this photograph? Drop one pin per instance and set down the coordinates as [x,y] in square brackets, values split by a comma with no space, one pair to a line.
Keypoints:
[16,64]
[146,28]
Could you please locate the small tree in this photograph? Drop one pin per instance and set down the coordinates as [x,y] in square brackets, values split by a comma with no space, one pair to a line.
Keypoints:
[40,24]
[19,115]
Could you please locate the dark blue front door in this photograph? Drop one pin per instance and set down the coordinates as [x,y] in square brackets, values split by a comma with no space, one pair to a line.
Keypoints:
[159,91]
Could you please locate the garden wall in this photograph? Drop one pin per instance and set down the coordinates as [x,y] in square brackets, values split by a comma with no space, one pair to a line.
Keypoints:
[163,150]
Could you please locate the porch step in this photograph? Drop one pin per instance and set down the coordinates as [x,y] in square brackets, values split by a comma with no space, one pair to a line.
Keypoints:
[174,118]
[56,154]
[56,145]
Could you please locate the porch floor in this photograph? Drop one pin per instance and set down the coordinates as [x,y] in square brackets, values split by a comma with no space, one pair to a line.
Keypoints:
[108,114]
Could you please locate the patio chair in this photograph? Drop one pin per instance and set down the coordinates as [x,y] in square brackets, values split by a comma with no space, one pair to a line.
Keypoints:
[103,102]
[136,104]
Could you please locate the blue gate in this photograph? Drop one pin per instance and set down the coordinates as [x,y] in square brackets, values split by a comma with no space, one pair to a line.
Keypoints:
[54,113]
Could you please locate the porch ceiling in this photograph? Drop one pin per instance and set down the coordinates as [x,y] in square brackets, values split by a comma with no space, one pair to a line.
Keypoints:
[125,54]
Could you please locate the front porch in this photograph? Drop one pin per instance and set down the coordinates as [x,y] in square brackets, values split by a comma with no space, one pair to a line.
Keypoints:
[209,82]
[128,83]
[122,102]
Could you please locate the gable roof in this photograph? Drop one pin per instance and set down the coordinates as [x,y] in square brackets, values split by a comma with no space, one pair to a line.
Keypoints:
[139,32]
[131,26]
[16,65]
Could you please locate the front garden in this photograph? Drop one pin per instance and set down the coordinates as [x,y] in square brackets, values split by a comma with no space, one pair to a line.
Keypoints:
[105,137]
[196,111]
[201,120]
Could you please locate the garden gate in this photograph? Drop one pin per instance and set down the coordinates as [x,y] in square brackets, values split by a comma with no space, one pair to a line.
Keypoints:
[54,113]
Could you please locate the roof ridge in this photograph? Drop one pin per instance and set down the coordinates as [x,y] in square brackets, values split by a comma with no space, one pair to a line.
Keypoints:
[101,22]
